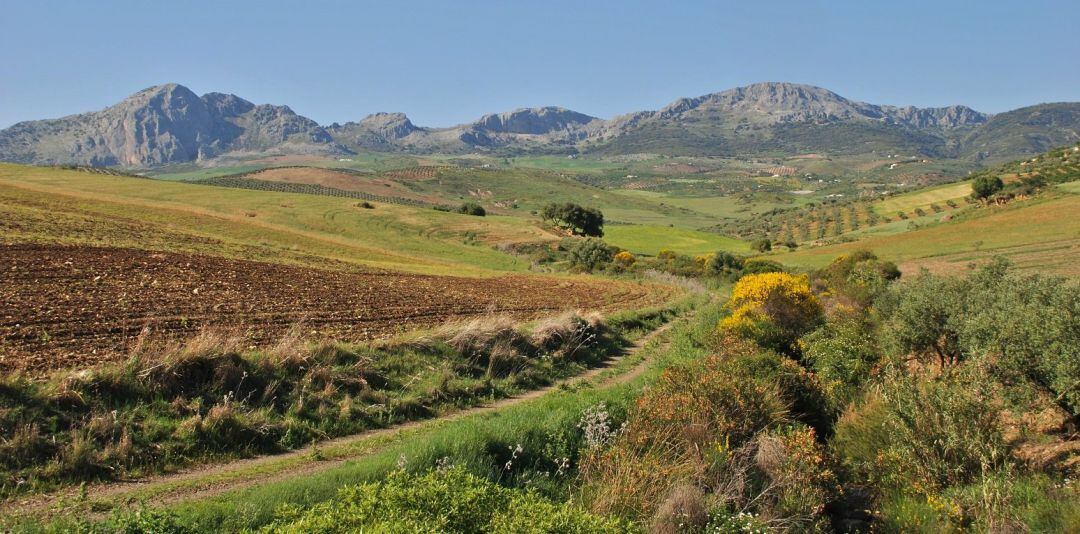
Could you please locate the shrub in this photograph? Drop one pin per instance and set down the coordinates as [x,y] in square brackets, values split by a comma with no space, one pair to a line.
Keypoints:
[796,467]
[761,245]
[723,263]
[625,259]
[715,433]
[923,320]
[1027,326]
[761,267]
[472,208]
[773,309]
[710,406]
[443,500]
[922,434]
[590,254]
[683,510]
[859,276]
[844,354]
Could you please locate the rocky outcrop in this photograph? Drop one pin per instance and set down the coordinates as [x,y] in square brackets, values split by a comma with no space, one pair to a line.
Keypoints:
[947,117]
[534,121]
[160,125]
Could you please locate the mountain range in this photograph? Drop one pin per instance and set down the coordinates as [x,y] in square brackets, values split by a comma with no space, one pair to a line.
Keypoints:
[171,124]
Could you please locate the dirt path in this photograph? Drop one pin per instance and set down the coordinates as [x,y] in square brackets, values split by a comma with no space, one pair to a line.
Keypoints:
[205,482]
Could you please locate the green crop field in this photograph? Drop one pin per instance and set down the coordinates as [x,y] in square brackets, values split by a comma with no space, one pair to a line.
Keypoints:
[923,198]
[650,240]
[257,223]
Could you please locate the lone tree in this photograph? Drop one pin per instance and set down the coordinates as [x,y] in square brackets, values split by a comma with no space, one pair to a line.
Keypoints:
[472,208]
[579,220]
[986,185]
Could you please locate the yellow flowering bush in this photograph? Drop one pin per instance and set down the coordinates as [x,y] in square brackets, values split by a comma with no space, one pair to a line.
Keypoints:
[702,260]
[625,259]
[772,308]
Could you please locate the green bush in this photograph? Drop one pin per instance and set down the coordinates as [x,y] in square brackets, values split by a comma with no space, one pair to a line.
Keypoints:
[761,266]
[860,276]
[577,219]
[761,245]
[443,500]
[723,263]
[591,254]
[1024,327]
[923,316]
[922,434]
[472,208]
[844,354]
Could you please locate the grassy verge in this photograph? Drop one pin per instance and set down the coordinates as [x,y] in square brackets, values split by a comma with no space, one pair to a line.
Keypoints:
[544,428]
[210,400]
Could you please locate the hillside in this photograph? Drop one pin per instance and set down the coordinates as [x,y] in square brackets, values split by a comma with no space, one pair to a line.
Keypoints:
[169,124]
[941,228]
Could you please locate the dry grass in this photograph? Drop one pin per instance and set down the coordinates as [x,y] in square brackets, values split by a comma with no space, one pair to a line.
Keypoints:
[567,333]
[683,510]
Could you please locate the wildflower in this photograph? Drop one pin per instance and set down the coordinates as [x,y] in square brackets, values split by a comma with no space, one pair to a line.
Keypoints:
[597,425]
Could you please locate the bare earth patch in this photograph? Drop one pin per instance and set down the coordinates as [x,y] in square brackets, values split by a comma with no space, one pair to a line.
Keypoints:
[69,306]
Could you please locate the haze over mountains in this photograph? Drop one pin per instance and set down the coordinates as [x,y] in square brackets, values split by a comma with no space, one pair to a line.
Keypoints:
[171,124]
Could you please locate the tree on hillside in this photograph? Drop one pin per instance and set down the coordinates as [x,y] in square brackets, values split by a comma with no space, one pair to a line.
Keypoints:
[577,219]
[472,208]
[986,185]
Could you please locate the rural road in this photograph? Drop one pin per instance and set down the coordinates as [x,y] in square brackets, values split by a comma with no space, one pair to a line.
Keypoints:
[207,481]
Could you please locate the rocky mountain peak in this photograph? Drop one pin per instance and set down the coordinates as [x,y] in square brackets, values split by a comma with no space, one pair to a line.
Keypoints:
[533,121]
[389,125]
[774,102]
[158,125]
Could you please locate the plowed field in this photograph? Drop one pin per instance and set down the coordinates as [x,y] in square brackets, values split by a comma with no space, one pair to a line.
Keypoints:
[69,307]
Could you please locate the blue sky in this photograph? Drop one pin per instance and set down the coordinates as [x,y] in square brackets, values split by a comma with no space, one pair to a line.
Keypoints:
[448,62]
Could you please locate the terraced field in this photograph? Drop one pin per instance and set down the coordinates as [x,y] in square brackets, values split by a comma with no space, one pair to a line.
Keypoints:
[71,306]
[1040,235]
[336,179]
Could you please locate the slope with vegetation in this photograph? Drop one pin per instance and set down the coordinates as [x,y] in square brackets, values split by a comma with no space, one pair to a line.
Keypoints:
[842,401]
[1024,214]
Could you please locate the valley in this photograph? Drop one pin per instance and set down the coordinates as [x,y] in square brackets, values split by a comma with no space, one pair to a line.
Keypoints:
[745,311]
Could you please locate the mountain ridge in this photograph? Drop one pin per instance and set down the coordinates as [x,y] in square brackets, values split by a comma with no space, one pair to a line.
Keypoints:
[169,123]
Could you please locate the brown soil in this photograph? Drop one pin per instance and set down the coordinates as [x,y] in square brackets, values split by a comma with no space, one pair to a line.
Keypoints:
[69,306]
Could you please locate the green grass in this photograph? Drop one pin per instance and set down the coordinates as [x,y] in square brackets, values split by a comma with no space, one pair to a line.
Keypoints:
[475,441]
[649,240]
[1071,187]
[923,198]
[532,189]
[259,225]
[169,401]
[719,207]
[1021,229]
[185,173]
